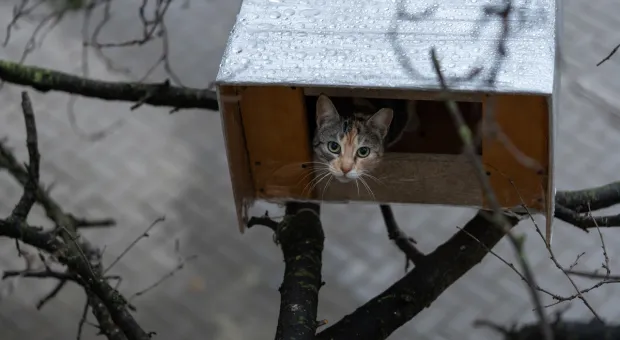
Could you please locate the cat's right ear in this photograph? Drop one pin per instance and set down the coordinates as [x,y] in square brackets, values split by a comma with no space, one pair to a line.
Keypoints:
[325,110]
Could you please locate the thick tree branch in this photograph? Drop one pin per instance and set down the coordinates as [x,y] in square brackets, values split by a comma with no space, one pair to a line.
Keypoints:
[562,330]
[586,222]
[301,238]
[388,311]
[592,199]
[106,324]
[575,207]
[382,315]
[47,242]
[157,94]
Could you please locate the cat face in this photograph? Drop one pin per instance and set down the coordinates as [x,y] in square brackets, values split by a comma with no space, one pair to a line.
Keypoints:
[349,147]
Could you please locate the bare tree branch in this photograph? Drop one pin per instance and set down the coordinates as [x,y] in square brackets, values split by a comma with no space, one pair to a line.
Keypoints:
[48,242]
[562,330]
[611,54]
[264,221]
[68,251]
[52,209]
[592,199]
[168,275]
[106,325]
[499,220]
[21,211]
[405,243]
[42,274]
[301,239]
[155,94]
[388,311]
[575,207]
[585,222]
[52,294]
[300,236]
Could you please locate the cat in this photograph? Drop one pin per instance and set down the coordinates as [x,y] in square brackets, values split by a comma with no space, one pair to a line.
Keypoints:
[350,146]
[402,123]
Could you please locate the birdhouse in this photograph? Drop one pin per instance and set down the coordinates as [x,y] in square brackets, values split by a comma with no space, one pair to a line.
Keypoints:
[288,64]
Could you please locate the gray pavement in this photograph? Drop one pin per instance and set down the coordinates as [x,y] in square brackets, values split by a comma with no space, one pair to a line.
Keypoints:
[174,165]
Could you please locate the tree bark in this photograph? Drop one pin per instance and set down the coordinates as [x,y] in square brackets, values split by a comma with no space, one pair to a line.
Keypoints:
[301,238]
[155,94]
[388,311]
[562,330]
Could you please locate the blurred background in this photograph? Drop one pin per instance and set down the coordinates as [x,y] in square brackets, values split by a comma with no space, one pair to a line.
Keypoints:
[153,164]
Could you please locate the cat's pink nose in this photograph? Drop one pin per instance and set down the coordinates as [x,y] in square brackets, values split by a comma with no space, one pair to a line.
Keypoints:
[346,169]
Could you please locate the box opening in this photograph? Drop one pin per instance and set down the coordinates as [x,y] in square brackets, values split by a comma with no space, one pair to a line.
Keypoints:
[432,133]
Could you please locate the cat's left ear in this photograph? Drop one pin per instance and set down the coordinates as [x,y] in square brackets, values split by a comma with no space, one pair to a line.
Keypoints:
[381,120]
[325,110]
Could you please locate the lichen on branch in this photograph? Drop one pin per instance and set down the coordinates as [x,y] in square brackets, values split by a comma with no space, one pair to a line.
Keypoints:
[155,94]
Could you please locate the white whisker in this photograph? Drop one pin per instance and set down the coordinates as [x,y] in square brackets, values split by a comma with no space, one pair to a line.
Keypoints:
[314,171]
[368,188]
[326,185]
[316,178]
[319,181]
[372,177]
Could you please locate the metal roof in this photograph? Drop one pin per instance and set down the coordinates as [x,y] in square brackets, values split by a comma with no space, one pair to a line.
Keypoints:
[386,44]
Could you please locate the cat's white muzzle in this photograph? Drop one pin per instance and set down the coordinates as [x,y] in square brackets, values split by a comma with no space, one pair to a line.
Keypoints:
[348,177]
[343,179]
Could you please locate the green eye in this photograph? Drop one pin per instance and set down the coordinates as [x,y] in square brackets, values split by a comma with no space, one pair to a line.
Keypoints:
[363,152]
[333,147]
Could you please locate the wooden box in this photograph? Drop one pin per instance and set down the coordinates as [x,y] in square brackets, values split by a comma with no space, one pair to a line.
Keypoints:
[282,54]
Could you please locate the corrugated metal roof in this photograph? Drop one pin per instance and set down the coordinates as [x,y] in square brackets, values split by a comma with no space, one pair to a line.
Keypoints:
[386,44]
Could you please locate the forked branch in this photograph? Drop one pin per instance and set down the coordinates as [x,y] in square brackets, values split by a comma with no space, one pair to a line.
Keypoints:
[63,243]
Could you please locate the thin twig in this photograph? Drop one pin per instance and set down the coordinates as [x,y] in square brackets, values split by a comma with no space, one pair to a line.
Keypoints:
[83,318]
[553,258]
[585,222]
[170,274]
[605,256]
[22,209]
[264,220]
[498,218]
[404,242]
[611,54]
[52,294]
[42,274]
[134,242]
[510,265]
[94,223]
[605,277]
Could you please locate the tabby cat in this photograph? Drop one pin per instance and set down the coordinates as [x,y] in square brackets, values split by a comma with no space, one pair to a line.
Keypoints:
[349,146]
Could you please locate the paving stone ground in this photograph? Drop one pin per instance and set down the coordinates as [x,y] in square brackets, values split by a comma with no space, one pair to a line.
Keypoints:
[159,164]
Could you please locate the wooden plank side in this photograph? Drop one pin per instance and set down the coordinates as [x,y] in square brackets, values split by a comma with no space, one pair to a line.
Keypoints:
[411,178]
[278,140]
[521,176]
[238,163]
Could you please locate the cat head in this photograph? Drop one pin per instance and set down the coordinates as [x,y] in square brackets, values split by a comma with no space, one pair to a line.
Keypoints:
[349,146]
